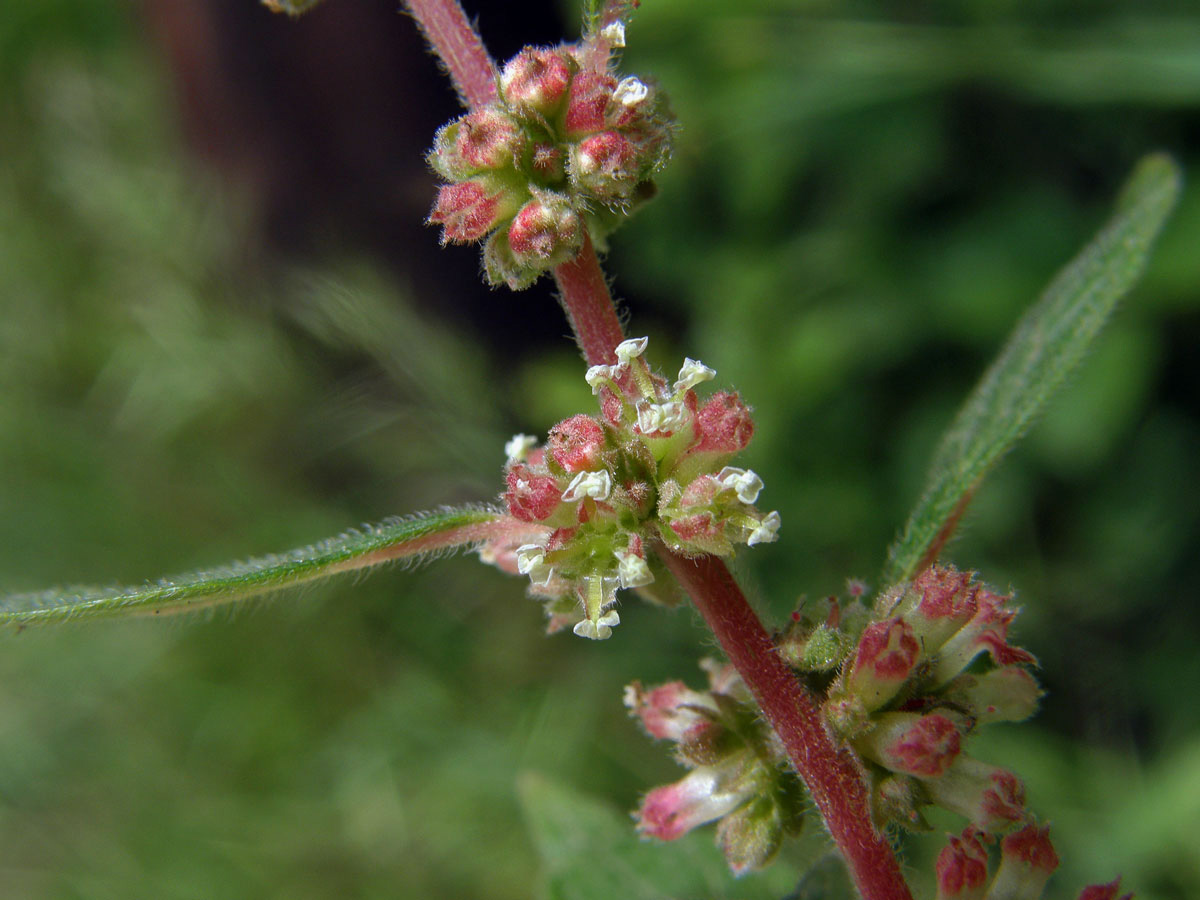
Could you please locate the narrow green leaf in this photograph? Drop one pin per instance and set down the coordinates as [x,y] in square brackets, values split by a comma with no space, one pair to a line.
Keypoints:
[372,545]
[1045,347]
[292,8]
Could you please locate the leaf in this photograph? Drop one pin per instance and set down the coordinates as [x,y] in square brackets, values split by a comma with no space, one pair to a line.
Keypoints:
[1045,347]
[293,8]
[590,851]
[372,545]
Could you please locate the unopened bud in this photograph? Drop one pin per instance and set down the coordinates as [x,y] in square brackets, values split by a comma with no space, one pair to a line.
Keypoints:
[924,746]
[1008,694]
[987,631]
[587,101]
[606,166]
[536,80]
[545,232]
[897,798]
[1104,891]
[530,497]
[576,443]
[751,836]
[672,711]
[962,868]
[468,210]
[724,424]
[486,139]
[991,797]
[887,654]
[1027,860]
[704,795]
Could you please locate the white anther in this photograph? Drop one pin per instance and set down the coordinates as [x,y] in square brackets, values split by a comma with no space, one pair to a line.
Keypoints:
[531,561]
[691,373]
[518,448]
[767,530]
[599,630]
[598,376]
[744,482]
[634,347]
[632,570]
[630,91]
[597,485]
[656,417]
[614,34]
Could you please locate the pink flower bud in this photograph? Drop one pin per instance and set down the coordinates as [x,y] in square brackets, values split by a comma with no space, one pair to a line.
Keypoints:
[672,711]
[536,79]
[1103,891]
[924,746]
[545,232]
[1027,860]
[987,631]
[605,165]
[991,797]
[724,424]
[576,443]
[469,210]
[586,103]
[531,497]
[887,654]
[486,139]
[704,795]
[962,867]
[938,603]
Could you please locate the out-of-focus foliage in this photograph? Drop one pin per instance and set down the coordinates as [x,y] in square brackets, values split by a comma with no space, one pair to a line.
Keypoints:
[864,199]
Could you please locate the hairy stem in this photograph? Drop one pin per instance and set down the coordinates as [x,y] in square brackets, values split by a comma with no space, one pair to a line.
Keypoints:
[459,47]
[832,774]
[584,294]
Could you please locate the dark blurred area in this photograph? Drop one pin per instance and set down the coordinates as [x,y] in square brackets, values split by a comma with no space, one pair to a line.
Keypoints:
[227,331]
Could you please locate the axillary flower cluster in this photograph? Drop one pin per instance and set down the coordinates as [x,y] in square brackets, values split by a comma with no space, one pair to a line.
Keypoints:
[652,466]
[566,149]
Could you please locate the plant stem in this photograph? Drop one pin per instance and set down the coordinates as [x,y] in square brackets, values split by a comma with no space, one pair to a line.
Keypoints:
[459,47]
[584,294]
[832,775]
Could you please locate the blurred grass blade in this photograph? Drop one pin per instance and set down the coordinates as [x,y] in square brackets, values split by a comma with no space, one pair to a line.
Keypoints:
[1046,346]
[415,536]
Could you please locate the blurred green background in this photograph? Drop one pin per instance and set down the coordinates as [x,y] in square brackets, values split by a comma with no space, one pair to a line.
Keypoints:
[215,346]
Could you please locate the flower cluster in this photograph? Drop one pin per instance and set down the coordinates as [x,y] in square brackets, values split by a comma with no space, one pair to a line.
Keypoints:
[932,666]
[652,466]
[566,147]
[738,772]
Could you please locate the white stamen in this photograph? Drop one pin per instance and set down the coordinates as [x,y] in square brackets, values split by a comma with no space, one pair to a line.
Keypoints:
[656,417]
[744,482]
[531,561]
[691,373]
[599,630]
[630,91]
[598,376]
[597,485]
[766,532]
[518,448]
[632,570]
[634,347]
[614,34]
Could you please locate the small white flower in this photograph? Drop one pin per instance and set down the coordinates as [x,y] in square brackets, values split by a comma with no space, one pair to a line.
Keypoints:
[630,91]
[614,34]
[766,532]
[518,448]
[692,373]
[598,376]
[632,348]
[666,417]
[742,481]
[531,561]
[632,570]
[599,630]
[597,485]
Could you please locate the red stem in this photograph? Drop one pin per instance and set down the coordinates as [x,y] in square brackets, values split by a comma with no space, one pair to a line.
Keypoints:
[456,42]
[833,775]
[584,294]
